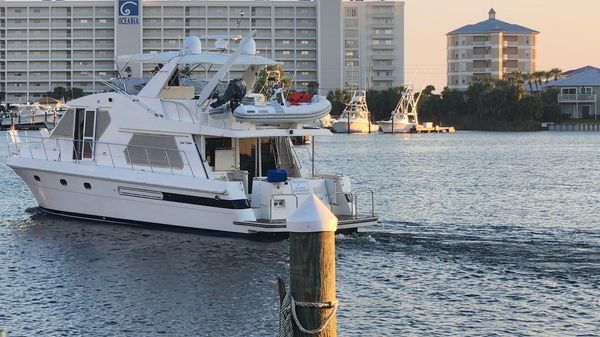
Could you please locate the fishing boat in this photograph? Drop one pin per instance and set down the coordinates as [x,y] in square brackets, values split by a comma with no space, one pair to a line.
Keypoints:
[174,156]
[404,118]
[356,117]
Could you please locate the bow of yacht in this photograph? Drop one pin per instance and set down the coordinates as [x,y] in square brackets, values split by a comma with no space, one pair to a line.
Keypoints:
[176,155]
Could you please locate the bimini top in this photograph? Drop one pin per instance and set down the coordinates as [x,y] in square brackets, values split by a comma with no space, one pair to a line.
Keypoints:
[492,25]
[193,53]
[203,58]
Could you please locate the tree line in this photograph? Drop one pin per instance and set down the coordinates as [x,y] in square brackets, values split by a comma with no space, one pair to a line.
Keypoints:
[487,104]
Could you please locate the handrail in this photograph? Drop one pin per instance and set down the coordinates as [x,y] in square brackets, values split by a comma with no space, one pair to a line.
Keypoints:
[41,153]
[335,194]
[355,199]
[271,201]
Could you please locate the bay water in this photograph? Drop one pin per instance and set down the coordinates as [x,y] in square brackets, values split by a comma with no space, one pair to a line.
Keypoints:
[480,234]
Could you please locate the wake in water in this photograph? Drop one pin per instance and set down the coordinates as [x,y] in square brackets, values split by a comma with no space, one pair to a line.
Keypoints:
[548,251]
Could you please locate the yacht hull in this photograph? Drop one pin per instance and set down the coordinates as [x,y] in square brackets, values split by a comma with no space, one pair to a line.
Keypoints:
[130,202]
[396,127]
[93,192]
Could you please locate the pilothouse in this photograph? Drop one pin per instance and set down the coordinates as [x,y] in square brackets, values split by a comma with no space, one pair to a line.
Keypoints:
[180,154]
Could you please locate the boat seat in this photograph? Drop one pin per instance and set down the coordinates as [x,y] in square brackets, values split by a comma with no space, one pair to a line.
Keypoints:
[299,97]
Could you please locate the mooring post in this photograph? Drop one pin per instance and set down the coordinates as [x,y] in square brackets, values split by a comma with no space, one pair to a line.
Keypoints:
[3,333]
[312,268]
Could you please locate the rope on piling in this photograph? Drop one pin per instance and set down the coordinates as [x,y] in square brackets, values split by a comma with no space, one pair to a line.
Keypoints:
[287,311]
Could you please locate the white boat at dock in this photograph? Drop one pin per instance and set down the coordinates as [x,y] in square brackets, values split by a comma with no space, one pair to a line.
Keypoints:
[404,118]
[174,156]
[356,117]
[28,116]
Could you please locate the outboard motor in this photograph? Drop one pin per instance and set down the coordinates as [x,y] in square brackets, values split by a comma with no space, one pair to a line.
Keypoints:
[235,92]
[277,96]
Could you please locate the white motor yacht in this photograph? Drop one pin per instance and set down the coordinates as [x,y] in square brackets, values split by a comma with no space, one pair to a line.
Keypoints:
[172,156]
[404,118]
[356,117]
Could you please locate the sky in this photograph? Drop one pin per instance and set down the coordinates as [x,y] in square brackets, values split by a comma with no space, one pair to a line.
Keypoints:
[569,32]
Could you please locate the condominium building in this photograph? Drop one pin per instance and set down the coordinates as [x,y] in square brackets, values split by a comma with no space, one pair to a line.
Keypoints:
[373,36]
[489,48]
[73,43]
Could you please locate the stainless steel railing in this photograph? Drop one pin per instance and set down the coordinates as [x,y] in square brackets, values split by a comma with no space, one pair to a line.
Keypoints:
[100,154]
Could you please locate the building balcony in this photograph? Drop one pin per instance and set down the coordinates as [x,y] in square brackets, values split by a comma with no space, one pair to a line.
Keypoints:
[383,67]
[481,43]
[382,14]
[482,57]
[511,43]
[576,98]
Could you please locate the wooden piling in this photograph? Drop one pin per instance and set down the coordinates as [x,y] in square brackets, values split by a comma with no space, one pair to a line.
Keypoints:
[312,266]
[312,277]
[3,333]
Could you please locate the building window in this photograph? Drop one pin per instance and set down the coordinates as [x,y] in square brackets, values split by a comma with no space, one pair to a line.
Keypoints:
[352,54]
[351,11]
[285,52]
[304,52]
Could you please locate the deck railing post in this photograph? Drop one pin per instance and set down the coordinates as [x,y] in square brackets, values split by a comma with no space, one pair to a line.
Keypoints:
[110,154]
[169,162]
[44,148]
[148,158]
[129,157]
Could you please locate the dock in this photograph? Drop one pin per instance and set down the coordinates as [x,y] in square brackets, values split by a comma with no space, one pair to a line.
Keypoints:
[428,128]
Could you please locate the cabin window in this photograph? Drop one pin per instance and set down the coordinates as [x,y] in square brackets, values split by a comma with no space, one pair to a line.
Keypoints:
[102,122]
[64,128]
[63,182]
[87,186]
[153,150]
[37,178]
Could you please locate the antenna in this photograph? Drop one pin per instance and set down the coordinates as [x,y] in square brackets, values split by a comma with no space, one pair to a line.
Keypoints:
[238,22]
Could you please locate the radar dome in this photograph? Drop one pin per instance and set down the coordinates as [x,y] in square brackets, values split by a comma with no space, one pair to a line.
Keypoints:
[192,45]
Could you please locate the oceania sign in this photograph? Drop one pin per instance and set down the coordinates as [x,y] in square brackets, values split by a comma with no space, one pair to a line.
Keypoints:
[129,12]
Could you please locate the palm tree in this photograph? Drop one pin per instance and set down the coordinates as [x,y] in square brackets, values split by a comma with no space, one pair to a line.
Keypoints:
[555,72]
[538,75]
[530,77]
[547,76]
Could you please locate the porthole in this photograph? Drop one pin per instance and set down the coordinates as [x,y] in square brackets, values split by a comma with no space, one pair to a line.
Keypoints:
[87,186]
[63,182]
[37,178]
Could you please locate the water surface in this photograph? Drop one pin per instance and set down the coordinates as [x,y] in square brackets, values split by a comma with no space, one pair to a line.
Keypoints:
[480,234]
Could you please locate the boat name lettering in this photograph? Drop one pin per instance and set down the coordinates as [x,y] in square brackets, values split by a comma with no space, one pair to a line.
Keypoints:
[300,186]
